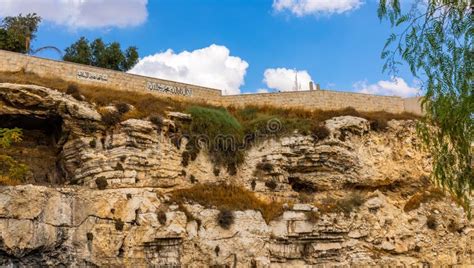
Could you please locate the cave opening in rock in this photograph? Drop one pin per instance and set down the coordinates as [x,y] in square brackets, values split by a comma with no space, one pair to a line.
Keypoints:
[302,186]
[39,148]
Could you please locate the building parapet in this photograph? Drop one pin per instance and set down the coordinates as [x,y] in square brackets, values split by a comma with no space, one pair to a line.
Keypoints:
[89,75]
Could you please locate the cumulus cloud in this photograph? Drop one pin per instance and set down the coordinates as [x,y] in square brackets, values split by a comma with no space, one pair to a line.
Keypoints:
[210,66]
[81,13]
[312,7]
[283,79]
[394,87]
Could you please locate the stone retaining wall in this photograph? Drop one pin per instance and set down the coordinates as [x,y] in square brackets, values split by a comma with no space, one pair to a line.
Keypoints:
[87,75]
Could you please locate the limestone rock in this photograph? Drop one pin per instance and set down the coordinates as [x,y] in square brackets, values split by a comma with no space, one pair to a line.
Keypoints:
[134,222]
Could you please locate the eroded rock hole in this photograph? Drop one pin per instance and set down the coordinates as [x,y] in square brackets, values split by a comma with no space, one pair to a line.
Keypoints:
[39,148]
[299,185]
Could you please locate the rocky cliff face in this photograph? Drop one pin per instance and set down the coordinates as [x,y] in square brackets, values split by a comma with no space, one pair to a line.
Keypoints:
[64,219]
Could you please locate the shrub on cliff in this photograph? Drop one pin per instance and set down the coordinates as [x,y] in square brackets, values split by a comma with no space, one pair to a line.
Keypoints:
[111,118]
[73,90]
[345,205]
[11,171]
[225,218]
[101,183]
[227,197]
[319,132]
[220,130]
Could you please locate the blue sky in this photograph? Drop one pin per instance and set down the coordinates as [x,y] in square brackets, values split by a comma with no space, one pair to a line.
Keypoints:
[257,43]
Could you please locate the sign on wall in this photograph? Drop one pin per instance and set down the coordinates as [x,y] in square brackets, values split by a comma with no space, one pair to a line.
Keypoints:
[169,89]
[86,75]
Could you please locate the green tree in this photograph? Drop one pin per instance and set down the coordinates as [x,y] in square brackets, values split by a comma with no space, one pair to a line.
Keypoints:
[103,55]
[435,39]
[10,170]
[79,52]
[17,32]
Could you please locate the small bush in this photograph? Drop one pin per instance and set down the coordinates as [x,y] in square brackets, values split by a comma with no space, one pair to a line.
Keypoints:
[225,218]
[348,204]
[192,179]
[122,107]
[271,184]
[232,169]
[253,184]
[101,183]
[265,166]
[119,167]
[88,127]
[185,159]
[320,132]
[379,124]
[305,197]
[7,181]
[119,225]
[90,236]
[224,132]
[111,118]
[93,143]
[73,90]
[454,226]
[312,216]
[216,171]
[345,205]
[161,215]
[157,121]
[227,197]
[431,222]
[423,197]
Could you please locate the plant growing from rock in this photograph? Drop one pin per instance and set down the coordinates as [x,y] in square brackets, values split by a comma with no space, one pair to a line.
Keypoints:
[271,184]
[157,121]
[423,197]
[11,171]
[227,197]
[312,216]
[379,124]
[265,166]
[122,107]
[161,215]
[345,205]
[101,183]
[111,118]
[92,143]
[225,218]
[73,90]
[431,222]
[119,224]
[319,132]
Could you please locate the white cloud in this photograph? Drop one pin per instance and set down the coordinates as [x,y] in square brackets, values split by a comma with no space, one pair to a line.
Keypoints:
[210,66]
[283,79]
[394,87]
[262,90]
[312,7]
[81,13]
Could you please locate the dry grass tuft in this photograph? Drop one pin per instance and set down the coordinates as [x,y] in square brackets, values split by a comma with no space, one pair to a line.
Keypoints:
[345,205]
[423,197]
[7,181]
[227,197]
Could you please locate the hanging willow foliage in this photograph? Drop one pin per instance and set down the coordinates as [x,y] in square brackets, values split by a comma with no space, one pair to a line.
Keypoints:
[435,39]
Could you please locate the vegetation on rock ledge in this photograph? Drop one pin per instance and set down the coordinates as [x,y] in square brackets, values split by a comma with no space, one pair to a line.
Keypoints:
[11,172]
[227,197]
